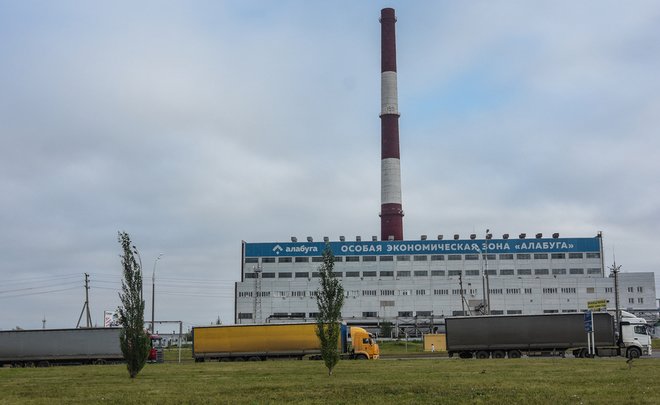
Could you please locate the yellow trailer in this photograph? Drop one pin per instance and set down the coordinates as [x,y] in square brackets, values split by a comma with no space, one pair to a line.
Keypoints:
[264,341]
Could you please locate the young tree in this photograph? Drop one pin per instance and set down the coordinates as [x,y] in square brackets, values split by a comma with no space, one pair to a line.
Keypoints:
[133,339]
[330,299]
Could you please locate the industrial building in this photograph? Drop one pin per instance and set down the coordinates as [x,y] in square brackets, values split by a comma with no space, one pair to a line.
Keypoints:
[414,284]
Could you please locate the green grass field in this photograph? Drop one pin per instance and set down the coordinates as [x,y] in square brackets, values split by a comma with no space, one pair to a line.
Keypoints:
[420,381]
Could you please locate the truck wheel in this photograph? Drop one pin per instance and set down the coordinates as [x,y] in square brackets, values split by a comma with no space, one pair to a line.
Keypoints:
[515,354]
[634,353]
[499,354]
[482,354]
[239,359]
[361,357]
[465,355]
[255,358]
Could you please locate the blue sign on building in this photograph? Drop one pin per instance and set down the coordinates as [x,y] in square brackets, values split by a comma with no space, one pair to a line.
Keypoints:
[423,247]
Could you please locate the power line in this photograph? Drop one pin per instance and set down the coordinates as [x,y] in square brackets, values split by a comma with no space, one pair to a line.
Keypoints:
[39,293]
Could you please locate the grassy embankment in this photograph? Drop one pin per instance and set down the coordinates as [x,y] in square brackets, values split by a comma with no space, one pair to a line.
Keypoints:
[588,381]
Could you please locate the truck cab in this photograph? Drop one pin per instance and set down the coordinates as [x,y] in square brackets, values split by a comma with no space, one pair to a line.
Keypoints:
[364,344]
[635,336]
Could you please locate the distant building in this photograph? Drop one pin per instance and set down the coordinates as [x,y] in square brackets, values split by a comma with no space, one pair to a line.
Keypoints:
[415,284]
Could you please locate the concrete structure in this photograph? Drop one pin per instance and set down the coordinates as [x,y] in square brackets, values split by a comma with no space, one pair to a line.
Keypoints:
[415,284]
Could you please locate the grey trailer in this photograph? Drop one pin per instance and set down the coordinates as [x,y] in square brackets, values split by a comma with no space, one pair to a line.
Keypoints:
[515,335]
[42,347]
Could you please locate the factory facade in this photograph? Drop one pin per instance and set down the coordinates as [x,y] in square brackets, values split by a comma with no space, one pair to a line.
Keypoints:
[415,284]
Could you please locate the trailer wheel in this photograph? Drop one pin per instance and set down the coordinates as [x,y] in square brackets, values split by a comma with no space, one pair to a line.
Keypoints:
[499,354]
[634,353]
[465,355]
[239,359]
[255,358]
[584,353]
[514,354]
[482,354]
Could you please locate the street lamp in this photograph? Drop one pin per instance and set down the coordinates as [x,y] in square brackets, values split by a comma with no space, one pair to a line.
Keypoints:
[153,291]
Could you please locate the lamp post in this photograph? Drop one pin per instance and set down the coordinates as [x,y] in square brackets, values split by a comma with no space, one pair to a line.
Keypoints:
[153,292]
[487,284]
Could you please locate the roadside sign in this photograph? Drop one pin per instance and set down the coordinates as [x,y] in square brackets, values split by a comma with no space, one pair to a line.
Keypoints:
[597,305]
[588,322]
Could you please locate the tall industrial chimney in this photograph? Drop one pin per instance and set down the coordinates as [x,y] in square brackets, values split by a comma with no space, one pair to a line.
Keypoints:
[391,210]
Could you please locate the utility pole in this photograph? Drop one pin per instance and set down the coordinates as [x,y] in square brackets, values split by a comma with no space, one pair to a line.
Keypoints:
[615,271]
[85,306]
[43,322]
[460,284]
[487,283]
[257,293]
[153,291]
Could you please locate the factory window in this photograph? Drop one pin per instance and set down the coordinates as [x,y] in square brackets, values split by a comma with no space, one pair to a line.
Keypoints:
[244,315]
[495,291]
[558,256]
[313,294]
[528,290]
[491,272]
[351,293]
[244,294]
[441,292]
[640,300]
[473,291]
[264,294]
[594,255]
[302,259]
[631,300]
[420,292]
[455,272]
[568,310]
[267,275]
[436,273]
[387,258]
[339,258]
[506,256]
[541,272]
[368,293]
[576,271]
[457,291]
[506,272]
[267,260]
[302,274]
[386,292]
[631,289]
[552,290]
[405,292]
[489,256]
[297,314]
[593,271]
[405,313]
[352,258]
[251,260]
[250,275]
[404,258]
[284,275]
[568,290]
[403,274]
[523,256]
[280,294]
[609,289]
[337,274]
[420,258]
[453,257]
[352,274]
[540,256]
[297,293]
[575,255]
[317,259]
[558,271]
[421,273]
[368,274]
[550,311]
[513,290]
[313,314]
[284,260]
[640,289]
[524,272]
[387,303]
[591,290]
[514,312]
[387,274]
[458,313]
[424,313]
[471,257]
[316,274]
[368,258]
[370,314]
[437,257]
[497,312]
[471,272]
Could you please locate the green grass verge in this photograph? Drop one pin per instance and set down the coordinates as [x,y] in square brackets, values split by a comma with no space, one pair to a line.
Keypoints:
[421,381]
[655,344]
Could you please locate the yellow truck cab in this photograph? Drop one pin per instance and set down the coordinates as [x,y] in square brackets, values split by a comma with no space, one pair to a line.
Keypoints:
[364,344]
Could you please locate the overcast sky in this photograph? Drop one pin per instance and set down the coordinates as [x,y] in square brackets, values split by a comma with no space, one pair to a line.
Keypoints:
[193,125]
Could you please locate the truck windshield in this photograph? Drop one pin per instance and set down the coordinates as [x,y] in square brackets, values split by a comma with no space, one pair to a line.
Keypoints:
[640,329]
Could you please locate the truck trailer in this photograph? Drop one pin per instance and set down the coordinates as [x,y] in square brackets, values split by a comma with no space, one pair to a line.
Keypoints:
[268,341]
[43,347]
[500,336]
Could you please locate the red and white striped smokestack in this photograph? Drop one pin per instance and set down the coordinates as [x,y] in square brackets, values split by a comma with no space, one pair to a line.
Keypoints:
[391,210]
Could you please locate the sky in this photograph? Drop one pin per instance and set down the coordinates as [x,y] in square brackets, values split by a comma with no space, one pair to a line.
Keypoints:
[195,125]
